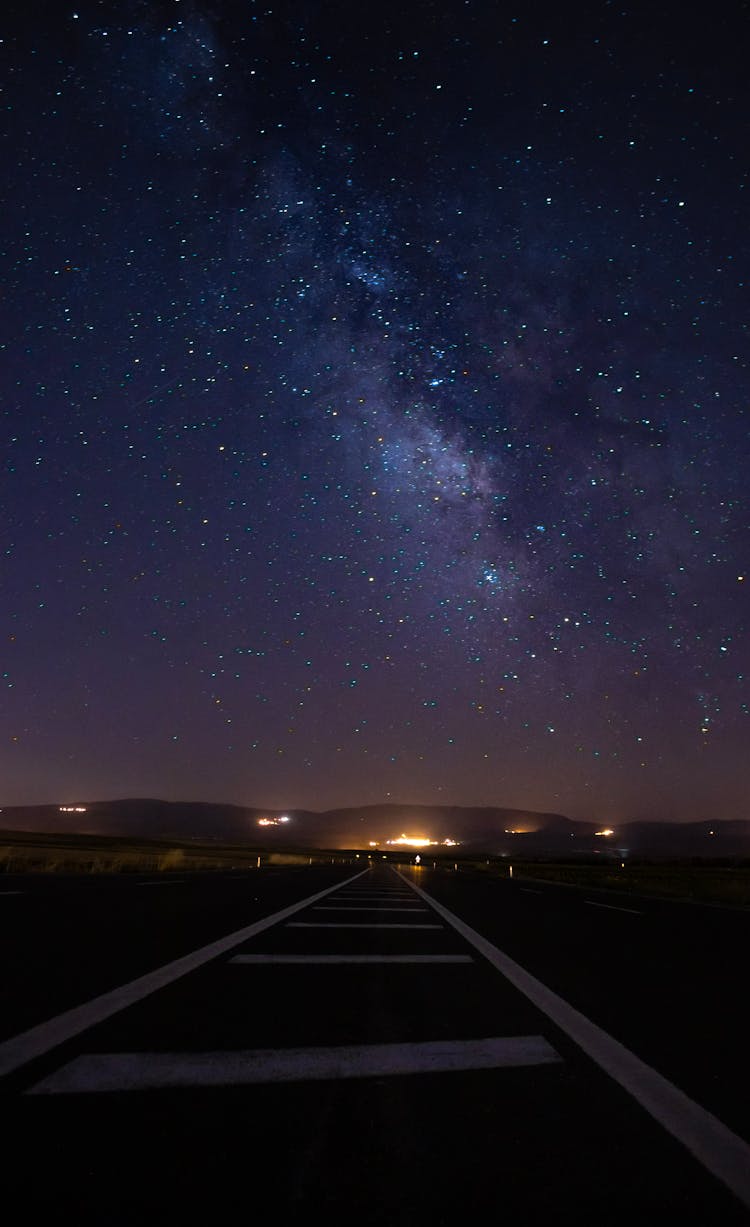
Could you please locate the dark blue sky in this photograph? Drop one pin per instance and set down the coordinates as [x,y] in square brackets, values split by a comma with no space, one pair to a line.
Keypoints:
[375,406]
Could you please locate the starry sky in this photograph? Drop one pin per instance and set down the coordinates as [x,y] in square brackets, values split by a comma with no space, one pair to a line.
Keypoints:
[375,405]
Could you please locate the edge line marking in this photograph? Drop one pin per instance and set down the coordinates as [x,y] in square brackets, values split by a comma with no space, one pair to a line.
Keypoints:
[709,1140]
[38,1040]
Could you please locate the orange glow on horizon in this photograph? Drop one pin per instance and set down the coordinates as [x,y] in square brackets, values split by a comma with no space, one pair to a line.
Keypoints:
[420,841]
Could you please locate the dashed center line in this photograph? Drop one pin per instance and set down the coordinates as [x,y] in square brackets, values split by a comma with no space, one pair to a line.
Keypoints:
[137,1071]
[167,882]
[374,907]
[265,960]
[611,907]
[355,924]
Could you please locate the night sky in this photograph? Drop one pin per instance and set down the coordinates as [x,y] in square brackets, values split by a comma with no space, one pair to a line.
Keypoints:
[375,405]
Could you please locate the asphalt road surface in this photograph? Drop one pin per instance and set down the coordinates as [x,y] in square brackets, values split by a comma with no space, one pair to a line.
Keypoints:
[371,1048]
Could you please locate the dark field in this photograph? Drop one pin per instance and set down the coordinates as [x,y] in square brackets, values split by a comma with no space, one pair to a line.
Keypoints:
[24,852]
[724,882]
[704,883]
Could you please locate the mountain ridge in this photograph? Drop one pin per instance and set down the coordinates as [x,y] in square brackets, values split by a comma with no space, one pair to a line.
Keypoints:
[496,830]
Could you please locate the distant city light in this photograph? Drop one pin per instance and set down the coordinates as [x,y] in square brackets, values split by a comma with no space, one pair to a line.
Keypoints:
[606,831]
[72,809]
[273,822]
[420,841]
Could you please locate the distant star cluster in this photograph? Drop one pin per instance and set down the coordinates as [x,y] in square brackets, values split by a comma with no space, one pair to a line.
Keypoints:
[375,406]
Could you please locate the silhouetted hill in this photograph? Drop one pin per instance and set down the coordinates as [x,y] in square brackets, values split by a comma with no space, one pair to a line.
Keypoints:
[491,830]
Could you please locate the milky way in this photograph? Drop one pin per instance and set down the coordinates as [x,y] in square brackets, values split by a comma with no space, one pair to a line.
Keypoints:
[375,407]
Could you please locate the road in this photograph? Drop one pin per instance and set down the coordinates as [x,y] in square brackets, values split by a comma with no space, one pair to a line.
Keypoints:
[388,1048]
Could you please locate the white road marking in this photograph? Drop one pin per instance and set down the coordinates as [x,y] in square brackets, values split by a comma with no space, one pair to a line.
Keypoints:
[38,1040]
[11,892]
[373,907]
[372,900]
[611,907]
[361,894]
[138,1071]
[267,959]
[165,882]
[355,924]
[527,890]
[720,1151]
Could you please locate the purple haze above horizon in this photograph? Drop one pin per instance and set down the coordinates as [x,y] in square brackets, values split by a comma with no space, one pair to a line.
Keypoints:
[375,421]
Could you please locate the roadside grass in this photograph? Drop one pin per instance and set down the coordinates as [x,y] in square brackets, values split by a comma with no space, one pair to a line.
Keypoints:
[701,883]
[22,852]
[32,852]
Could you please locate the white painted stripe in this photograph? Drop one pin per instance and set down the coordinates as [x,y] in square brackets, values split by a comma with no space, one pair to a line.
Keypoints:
[264,960]
[612,908]
[720,1151]
[361,894]
[165,882]
[375,907]
[139,1071]
[526,890]
[11,892]
[38,1040]
[355,924]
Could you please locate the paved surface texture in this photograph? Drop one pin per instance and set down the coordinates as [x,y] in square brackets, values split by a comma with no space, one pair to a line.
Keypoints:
[500,1113]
